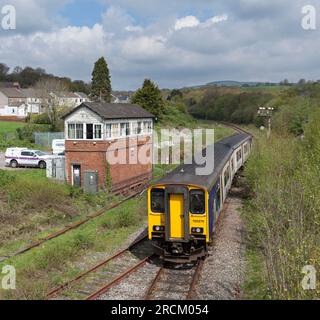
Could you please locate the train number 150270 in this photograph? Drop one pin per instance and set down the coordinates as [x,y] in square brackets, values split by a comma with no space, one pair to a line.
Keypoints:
[181,309]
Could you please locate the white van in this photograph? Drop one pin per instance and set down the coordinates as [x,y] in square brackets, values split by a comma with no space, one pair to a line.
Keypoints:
[16,157]
[58,146]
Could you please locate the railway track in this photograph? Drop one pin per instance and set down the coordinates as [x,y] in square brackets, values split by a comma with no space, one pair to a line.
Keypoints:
[176,282]
[93,283]
[68,228]
[235,127]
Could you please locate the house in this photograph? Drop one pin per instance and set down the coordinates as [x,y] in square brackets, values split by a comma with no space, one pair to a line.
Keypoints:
[101,138]
[19,103]
[69,99]
[83,97]
[34,100]
[13,103]
[120,98]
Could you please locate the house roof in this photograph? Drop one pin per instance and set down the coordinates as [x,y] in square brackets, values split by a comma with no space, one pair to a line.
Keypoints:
[65,94]
[7,84]
[31,93]
[12,93]
[186,173]
[82,95]
[114,110]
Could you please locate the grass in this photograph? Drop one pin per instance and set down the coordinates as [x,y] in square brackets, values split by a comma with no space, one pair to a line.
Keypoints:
[254,287]
[9,127]
[33,206]
[58,260]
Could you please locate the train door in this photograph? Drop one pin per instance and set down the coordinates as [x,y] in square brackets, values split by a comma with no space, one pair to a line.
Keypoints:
[177,220]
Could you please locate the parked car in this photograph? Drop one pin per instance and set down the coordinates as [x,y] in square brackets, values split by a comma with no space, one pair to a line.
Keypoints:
[58,146]
[16,157]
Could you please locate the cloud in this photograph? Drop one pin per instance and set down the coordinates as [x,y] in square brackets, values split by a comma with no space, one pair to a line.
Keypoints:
[176,43]
[192,22]
[133,28]
[186,22]
[216,19]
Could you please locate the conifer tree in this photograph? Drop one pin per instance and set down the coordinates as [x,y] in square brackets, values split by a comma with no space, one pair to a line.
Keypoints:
[101,83]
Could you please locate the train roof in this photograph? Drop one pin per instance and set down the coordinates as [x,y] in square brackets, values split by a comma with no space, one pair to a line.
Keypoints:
[186,173]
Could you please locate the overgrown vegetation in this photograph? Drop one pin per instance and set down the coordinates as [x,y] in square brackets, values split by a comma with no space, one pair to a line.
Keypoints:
[31,205]
[283,215]
[229,104]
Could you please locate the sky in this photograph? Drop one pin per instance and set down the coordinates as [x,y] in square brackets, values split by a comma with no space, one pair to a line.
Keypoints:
[176,43]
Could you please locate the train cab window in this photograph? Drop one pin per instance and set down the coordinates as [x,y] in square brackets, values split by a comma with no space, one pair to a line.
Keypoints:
[157,200]
[232,165]
[197,202]
[245,149]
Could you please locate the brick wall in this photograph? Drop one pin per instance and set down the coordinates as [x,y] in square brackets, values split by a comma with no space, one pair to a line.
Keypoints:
[93,156]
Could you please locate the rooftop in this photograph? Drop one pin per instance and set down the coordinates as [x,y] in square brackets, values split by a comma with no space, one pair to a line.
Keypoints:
[12,93]
[114,110]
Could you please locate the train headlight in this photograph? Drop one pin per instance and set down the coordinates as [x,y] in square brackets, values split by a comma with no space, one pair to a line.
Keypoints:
[197,230]
[158,228]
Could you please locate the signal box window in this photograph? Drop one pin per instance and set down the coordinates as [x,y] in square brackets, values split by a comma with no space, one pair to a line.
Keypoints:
[89,131]
[157,200]
[197,202]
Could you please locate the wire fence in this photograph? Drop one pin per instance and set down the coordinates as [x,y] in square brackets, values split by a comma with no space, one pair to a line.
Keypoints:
[45,138]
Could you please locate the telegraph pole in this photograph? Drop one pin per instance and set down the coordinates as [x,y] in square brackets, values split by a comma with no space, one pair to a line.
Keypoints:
[266,113]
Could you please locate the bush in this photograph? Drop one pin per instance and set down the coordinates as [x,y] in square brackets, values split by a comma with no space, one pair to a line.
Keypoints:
[27,132]
[283,217]
[40,119]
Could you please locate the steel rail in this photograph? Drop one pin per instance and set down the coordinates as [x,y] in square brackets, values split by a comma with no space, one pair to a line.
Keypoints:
[56,290]
[125,274]
[195,279]
[153,284]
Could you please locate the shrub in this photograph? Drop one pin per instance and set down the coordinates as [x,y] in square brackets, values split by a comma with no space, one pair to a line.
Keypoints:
[283,217]
[27,132]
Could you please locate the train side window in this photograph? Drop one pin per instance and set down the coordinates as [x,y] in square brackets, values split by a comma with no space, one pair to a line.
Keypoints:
[232,164]
[197,202]
[239,156]
[245,148]
[218,200]
[157,200]
[227,176]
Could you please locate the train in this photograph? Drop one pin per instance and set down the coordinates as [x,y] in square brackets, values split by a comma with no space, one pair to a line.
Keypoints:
[184,208]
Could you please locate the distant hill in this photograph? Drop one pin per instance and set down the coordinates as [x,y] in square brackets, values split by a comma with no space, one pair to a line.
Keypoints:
[231,83]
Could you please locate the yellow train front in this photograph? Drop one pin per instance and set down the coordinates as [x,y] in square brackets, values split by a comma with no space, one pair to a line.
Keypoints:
[178,221]
[184,208]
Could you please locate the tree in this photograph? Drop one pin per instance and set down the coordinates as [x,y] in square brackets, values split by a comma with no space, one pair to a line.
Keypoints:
[4,69]
[302,82]
[149,97]
[45,87]
[175,93]
[101,83]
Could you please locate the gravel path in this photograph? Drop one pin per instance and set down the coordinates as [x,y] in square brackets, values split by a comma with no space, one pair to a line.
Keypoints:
[226,263]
